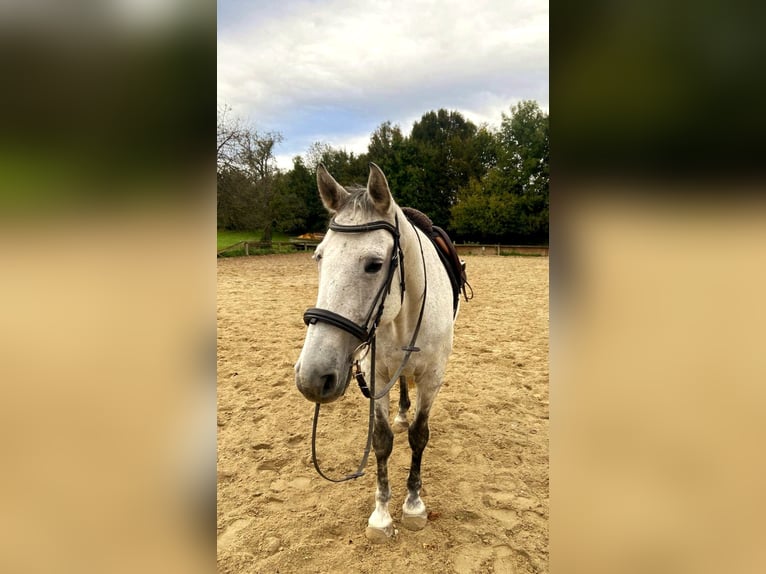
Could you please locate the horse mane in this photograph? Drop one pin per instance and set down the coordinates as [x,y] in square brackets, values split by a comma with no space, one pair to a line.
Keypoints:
[358,200]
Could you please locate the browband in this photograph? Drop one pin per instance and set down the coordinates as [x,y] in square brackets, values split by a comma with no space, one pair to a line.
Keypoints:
[372,226]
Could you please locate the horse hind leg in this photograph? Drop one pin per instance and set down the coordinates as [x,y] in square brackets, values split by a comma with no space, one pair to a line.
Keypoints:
[401,423]
[414,515]
[380,524]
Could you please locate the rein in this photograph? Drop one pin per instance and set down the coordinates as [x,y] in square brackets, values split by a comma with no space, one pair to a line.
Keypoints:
[367,333]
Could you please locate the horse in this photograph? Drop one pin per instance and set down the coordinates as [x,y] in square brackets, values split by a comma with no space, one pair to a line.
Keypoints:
[381,282]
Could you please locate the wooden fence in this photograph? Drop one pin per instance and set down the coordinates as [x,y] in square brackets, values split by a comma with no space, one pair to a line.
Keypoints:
[462,249]
[256,245]
[473,249]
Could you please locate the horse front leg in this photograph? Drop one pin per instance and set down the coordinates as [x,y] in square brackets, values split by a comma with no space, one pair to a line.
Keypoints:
[414,514]
[380,525]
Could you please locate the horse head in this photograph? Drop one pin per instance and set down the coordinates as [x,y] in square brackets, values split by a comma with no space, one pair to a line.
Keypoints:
[356,261]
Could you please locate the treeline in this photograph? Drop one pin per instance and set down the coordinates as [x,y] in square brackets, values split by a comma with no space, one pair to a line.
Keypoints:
[480,183]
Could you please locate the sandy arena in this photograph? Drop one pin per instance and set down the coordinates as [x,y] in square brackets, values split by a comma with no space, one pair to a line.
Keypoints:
[485,469]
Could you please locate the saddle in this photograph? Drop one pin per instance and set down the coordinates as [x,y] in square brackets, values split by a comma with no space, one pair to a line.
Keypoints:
[447,253]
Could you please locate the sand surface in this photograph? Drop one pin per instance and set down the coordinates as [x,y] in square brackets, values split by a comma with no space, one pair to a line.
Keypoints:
[485,470]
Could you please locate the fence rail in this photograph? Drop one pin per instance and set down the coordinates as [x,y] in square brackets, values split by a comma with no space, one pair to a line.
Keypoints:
[496,249]
[462,248]
[248,245]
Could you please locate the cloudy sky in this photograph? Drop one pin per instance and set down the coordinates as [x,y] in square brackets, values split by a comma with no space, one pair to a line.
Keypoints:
[333,70]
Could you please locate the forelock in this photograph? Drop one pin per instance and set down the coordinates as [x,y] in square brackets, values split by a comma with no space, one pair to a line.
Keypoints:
[358,201]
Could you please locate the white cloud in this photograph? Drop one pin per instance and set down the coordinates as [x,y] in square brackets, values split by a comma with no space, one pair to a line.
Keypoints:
[363,62]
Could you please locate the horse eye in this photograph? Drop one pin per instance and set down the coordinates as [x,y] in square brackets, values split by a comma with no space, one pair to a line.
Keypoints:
[317,256]
[373,266]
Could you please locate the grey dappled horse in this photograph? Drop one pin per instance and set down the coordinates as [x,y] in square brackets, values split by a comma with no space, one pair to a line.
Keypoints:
[378,274]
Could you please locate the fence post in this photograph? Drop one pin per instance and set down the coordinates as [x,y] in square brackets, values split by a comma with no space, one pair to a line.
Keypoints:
[498,249]
[247,251]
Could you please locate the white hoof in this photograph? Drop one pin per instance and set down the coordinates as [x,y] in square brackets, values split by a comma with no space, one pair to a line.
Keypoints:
[414,521]
[400,425]
[379,535]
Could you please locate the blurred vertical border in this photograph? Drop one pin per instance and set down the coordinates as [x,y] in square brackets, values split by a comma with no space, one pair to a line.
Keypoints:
[107,296]
[658,317]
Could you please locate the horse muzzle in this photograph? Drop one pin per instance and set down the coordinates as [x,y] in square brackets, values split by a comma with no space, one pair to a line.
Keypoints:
[321,385]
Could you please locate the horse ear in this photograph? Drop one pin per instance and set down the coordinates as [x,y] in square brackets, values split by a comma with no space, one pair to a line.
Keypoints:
[377,187]
[332,193]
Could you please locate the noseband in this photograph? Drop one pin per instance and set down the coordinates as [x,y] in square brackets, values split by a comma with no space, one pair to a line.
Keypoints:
[366,331]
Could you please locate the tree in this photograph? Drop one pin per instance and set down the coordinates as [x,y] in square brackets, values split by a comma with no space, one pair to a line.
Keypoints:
[233,205]
[229,131]
[257,159]
[313,156]
[510,202]
[391,150]
[444,159]
[248,194]
[479,183]
[300,183]
[385,148]
[524,147]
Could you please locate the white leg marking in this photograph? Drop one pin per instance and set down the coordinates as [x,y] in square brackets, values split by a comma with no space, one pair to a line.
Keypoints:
[380,526]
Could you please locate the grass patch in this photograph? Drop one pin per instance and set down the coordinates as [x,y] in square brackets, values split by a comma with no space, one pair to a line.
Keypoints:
[226,238]
[276,249]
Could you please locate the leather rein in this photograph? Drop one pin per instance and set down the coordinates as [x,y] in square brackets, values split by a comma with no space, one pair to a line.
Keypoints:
[367,332]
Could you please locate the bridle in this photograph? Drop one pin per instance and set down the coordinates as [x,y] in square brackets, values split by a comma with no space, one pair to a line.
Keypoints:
[367,331]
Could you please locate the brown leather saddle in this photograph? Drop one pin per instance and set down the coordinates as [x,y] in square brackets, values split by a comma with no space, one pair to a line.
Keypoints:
[447,253]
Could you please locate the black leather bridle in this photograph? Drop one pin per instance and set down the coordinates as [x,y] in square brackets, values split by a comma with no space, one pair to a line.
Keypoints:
[366,332]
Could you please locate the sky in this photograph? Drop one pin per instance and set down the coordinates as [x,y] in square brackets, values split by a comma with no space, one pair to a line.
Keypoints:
[334,70]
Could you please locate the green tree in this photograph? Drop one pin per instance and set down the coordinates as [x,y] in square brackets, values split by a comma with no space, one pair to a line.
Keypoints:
[392,151]
[524,148]
[443,159]
[510,202]
[346,167]
[300,183]
[386,148]
[235,202]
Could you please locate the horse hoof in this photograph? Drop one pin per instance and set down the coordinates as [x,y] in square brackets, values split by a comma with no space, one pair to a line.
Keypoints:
[379,535]
[414,521]
[400,426]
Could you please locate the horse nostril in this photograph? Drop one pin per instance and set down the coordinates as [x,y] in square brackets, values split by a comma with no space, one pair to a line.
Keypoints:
[328,384]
